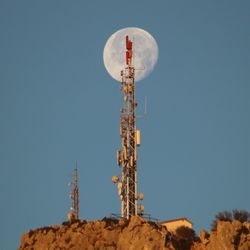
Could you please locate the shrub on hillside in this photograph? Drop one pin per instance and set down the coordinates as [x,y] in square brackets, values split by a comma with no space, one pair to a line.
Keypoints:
[221,216]
[241,215]
[185,233]
[183,238]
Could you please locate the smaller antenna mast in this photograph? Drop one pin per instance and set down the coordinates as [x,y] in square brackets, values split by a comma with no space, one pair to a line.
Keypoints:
[74,195]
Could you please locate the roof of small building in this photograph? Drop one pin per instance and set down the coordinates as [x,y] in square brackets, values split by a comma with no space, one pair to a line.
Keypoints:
[179,219]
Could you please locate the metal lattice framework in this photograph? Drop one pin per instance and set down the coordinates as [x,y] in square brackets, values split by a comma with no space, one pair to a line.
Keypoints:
[127,156]
[74,195]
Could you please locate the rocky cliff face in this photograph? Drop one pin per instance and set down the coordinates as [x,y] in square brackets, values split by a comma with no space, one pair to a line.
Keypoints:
[229,236]
[134,234]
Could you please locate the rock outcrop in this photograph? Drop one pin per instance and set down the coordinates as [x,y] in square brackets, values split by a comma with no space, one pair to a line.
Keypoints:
[229,236]
[135,234]
[105,234]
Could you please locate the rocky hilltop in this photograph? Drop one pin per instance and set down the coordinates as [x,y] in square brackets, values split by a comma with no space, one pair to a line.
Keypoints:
[135,234]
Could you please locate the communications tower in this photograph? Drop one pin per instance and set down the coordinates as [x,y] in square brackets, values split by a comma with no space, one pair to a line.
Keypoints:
[74,195]
[130,138]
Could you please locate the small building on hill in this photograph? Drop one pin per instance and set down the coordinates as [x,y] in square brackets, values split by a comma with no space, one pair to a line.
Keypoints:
[172,225]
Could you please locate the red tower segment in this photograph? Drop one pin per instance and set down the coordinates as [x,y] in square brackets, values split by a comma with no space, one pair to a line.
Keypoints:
[129,53]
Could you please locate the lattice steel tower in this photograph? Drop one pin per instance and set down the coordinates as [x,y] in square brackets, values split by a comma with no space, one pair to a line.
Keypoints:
[74,195]
[130,136]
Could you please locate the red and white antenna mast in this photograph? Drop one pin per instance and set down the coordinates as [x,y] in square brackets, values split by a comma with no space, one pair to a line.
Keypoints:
[130,136]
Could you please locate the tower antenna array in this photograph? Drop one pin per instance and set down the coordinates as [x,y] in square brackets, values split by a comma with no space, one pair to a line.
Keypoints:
[130,136]
[74,195]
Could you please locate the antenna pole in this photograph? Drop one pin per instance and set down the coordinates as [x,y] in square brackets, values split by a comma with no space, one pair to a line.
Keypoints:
[74,194]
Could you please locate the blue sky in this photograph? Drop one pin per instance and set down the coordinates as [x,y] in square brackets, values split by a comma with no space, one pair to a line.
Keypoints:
[58,105]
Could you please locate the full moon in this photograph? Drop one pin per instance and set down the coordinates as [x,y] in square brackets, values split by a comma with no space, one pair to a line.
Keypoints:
[145,53]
